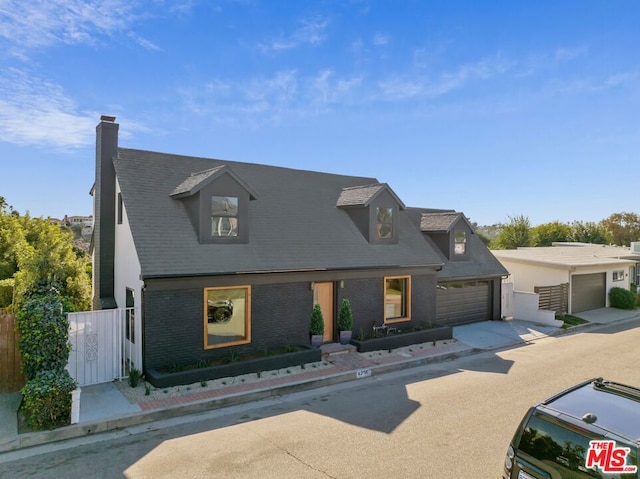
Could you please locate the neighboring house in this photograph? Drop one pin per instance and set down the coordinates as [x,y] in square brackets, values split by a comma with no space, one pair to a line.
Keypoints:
[226,256]
[79,221]
[579,276]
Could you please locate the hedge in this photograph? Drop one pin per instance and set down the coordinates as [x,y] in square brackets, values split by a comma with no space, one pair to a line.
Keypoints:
[46,399]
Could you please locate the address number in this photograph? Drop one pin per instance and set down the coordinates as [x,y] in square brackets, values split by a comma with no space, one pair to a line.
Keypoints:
[363,373]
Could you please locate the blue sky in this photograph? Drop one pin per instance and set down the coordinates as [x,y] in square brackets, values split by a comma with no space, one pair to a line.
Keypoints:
[493,108]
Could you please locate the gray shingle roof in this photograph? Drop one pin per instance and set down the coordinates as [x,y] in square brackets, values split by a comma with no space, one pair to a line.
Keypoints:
[195,181]
[293,225]
[363,195]
[481,264]
[439,222]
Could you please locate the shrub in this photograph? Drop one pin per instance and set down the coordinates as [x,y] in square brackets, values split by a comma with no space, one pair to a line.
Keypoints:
[6,292]
[46,402]
[316,325]
[134,377]
[44,332]
[622,298]
[345,316]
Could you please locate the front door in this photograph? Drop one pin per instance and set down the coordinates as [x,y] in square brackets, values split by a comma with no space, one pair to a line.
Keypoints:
[323,295]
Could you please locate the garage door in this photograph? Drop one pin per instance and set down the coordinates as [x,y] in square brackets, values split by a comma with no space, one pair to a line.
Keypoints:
[588,291]
[463,302]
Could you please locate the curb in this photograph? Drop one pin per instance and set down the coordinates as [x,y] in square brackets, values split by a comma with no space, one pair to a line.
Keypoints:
[33,439]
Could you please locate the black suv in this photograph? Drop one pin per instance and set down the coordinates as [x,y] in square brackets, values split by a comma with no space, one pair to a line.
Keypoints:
[591,430]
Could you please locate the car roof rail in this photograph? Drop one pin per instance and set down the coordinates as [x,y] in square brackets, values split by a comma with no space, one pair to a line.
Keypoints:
[567,391]
[624,390]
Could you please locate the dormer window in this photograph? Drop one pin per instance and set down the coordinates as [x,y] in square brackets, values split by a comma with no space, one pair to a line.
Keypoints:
[224,216]
[460,245]
[374,210]
[217,204]
[384,223]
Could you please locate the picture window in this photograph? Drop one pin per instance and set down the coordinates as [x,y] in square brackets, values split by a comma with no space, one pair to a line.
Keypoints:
[227,316]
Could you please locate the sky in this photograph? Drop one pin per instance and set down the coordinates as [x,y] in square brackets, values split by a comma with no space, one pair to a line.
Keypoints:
[493,108]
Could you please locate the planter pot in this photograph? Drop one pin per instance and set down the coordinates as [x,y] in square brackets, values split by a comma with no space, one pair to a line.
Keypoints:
[316,340]
[267,363]
[401,340]
[345,337]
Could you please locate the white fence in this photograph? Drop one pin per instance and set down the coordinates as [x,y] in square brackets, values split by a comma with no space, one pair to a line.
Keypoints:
[106,345]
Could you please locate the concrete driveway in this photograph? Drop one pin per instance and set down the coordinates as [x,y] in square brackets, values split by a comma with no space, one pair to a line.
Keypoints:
[500,334]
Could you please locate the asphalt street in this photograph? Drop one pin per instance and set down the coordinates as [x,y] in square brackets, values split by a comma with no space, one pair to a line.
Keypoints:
[447,420]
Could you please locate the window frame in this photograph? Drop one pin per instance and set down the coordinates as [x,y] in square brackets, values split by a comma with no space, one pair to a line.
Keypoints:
[405,299]
[617,275]
[389,223]
[235,201]
[247,317]
[130,316]
[456,242]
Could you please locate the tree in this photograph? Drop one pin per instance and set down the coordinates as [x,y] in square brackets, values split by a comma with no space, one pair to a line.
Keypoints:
[625,227]
[548,233]
[590,232]
[32,249]
[515,233]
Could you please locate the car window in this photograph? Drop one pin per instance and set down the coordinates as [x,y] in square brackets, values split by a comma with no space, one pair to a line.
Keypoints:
[567,451]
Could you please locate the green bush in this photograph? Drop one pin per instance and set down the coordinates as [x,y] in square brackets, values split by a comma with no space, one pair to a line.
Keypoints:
[44,332]
[345,316]
[134,377]
[316,325]
[622,298]
[6,292]
[46,399]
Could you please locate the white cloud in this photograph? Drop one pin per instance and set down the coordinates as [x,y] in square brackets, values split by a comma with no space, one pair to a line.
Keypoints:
[284,94]
[402,88]
[144,43]
[37,112]
[39,23]
[311,32]
[380,39]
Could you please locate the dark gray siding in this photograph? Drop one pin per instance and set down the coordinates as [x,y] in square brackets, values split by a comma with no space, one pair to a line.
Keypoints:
[280,312]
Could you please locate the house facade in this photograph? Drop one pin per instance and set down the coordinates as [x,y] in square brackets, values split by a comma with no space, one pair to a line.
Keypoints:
[580,274]
[223,256]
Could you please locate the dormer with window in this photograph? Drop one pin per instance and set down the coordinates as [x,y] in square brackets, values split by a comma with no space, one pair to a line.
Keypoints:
[450,231]
[217,202]
[374,210]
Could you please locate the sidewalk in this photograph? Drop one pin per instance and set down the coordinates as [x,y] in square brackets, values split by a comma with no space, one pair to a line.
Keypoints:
[111,406]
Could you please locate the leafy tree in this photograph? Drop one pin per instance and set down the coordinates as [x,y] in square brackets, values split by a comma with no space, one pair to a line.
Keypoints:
[32,249]
[590,232]
[625,227]
[548,233]
[515,233]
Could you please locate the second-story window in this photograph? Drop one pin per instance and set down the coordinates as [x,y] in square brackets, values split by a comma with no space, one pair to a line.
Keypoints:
[384,223]
[224,216]
[460,239]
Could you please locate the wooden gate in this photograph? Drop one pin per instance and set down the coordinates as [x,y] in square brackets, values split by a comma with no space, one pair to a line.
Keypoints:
[11,377]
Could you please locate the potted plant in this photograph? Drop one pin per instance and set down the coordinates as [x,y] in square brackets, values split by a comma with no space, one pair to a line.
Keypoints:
[316,326]
[345,322]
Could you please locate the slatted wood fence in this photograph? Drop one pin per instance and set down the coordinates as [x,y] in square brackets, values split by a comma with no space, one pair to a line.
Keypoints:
[554,298]
[11,377]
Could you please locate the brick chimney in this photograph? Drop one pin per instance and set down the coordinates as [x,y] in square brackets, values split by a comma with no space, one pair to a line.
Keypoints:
[104,201]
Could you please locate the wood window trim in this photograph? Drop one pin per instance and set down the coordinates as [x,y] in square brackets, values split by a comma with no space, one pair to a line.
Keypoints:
[407,299]
[247,317]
